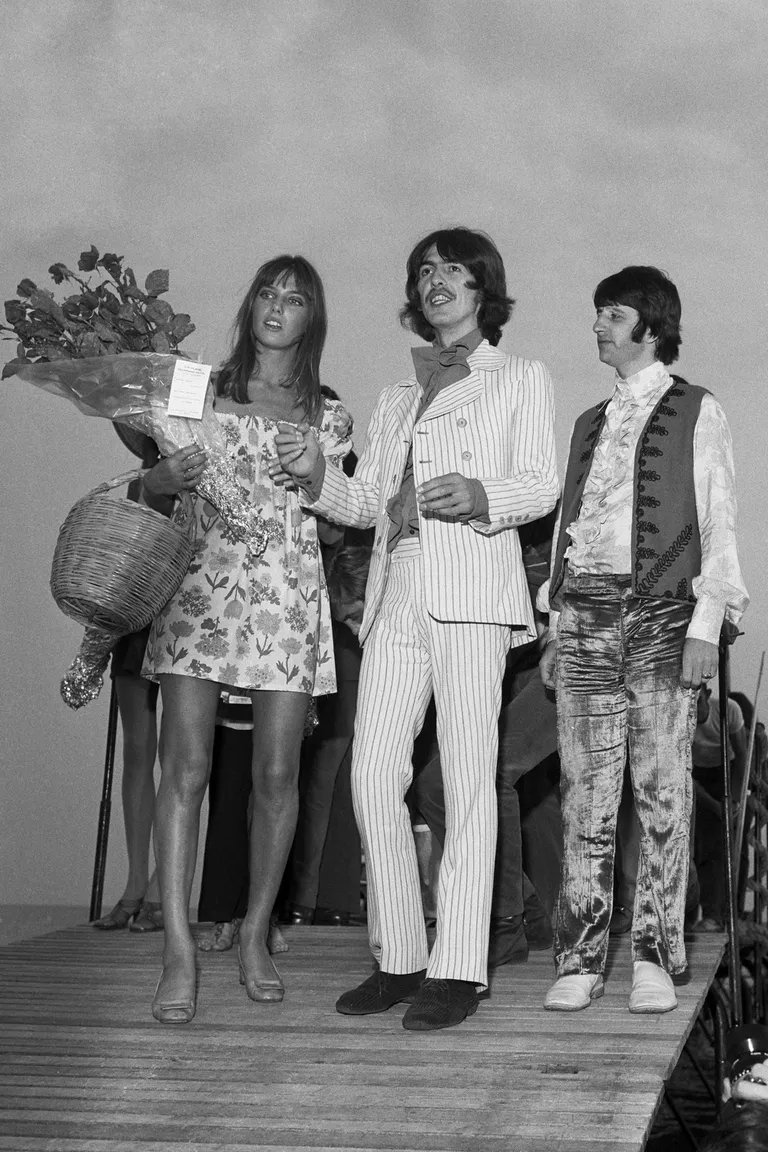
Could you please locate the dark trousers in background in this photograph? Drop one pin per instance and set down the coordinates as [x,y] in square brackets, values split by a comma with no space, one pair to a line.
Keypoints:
[527,741]
[541,822]
[224,884]
[325,864]
[708,849]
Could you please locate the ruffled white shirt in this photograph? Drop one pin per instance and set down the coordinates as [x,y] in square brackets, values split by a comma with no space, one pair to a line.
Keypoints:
[602,534]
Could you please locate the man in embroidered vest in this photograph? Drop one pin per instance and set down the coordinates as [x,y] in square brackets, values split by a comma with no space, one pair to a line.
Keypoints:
[457,457]
[645,571]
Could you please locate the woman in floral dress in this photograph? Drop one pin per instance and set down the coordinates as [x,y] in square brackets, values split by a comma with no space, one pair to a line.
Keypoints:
[259,625]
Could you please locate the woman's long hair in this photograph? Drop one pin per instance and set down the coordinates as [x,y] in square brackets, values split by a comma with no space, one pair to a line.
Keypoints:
[237,369]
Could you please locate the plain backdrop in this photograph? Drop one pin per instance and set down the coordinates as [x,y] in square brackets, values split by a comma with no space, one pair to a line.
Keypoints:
[205,138]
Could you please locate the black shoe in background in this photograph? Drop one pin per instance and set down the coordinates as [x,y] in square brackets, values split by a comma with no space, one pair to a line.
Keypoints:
[538,925]
[297,914]
[507,941]
[331,917]
[621,921]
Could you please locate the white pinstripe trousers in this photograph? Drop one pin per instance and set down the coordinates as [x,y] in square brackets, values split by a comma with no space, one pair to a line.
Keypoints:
[408,656]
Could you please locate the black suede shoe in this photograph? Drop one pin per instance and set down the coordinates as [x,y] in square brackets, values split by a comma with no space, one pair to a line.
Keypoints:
[507,942]
[379,992]
[441,1004]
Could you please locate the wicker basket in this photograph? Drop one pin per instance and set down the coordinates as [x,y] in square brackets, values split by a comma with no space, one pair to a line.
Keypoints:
[117,562]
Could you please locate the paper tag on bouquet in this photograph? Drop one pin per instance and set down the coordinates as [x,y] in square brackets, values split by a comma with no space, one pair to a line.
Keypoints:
[189,385]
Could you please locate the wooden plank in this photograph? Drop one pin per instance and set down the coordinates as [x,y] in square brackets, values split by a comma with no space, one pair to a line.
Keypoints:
[83,1065]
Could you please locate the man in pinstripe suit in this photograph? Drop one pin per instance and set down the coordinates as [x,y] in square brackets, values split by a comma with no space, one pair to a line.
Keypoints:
[457,457]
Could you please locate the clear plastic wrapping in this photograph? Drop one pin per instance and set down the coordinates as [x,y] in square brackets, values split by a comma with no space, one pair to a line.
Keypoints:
[134,388]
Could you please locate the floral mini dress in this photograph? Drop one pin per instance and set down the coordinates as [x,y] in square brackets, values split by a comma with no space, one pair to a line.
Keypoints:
[254,622]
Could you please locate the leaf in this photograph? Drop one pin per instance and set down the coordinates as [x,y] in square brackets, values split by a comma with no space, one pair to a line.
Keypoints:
[88,260]
[157,282]
[111,302]
[14,311]
[160,342]
[181,327]
[71,307]
[159,312]
[104,331]
[88,344]
[43,301]
[55,352]
[133,293]
[26,288]
[12,367]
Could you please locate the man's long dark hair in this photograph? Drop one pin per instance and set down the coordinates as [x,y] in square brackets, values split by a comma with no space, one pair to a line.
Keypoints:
[653,295]
[237,369]
[481,258]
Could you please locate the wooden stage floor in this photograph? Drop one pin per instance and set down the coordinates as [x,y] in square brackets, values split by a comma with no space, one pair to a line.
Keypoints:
[84,1068]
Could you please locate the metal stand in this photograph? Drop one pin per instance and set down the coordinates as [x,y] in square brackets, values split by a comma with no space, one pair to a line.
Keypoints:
[734,958]
[105,809]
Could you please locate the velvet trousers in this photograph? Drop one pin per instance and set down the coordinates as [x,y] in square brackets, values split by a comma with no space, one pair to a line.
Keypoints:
[619,696]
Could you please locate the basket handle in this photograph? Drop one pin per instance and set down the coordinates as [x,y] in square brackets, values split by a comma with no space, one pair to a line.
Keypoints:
[117,481]
[187,522]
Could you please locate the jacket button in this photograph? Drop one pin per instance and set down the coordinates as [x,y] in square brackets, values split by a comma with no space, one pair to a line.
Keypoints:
[461,422]
[466,455]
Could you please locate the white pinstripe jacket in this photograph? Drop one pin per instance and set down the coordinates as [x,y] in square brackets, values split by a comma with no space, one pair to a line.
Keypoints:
[495,425]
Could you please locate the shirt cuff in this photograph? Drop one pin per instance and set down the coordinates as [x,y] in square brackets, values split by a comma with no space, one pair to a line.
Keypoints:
[312,485]
[707,620]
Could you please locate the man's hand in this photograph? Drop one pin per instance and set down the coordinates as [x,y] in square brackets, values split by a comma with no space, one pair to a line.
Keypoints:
[450,496]
[177,473]
[700,659]
[298,452]
[547,664]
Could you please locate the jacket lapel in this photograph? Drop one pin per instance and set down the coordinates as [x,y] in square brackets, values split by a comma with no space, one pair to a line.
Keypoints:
[484,359]
[404,410]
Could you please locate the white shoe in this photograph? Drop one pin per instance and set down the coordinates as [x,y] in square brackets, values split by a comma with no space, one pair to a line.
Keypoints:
[572,993]
[652,989]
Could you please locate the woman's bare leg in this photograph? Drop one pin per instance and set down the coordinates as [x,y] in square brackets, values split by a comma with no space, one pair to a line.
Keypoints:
[137,704]
[186,740]
[278,730]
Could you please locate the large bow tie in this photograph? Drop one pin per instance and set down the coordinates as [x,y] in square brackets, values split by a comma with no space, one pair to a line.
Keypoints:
[438,367]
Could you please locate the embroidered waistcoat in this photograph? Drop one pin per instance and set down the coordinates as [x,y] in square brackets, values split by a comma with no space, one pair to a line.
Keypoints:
[666,546]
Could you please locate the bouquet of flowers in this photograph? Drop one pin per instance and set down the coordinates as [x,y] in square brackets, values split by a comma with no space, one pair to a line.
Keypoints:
[111,348]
